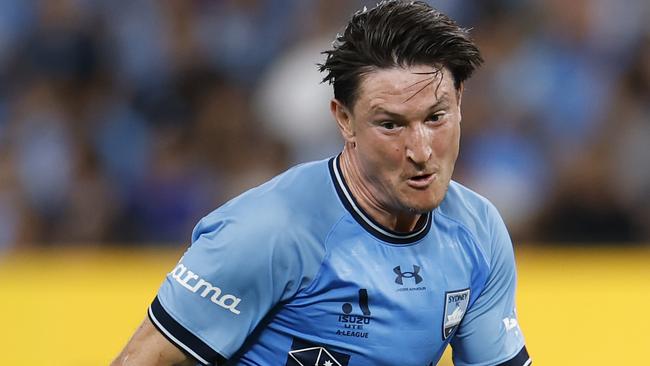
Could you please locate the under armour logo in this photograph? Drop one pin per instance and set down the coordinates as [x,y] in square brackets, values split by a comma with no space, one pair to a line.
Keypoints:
[401,275]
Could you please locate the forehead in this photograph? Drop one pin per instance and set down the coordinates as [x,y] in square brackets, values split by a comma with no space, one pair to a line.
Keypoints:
[405,88]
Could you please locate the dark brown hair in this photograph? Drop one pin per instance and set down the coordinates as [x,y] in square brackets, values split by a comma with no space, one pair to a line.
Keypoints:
[397,33]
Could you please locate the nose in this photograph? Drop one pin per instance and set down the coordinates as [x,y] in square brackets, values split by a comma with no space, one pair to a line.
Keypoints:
[418,145]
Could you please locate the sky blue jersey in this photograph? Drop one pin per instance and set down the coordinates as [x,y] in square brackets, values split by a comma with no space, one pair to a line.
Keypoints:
[294,272]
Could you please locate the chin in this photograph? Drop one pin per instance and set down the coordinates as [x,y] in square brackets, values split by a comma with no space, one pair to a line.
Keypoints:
[421,202]
[420,211]
[423,207]
[426,204]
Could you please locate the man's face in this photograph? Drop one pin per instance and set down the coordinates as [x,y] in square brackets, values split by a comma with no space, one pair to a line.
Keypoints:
[405,127]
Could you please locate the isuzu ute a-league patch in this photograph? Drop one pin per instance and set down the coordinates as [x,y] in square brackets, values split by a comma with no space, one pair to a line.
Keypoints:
[455,307]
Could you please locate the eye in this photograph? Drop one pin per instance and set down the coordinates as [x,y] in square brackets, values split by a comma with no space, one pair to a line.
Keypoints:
[389,125]
[435,118]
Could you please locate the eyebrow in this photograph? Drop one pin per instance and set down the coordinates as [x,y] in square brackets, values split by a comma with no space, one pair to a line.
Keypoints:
[444,99]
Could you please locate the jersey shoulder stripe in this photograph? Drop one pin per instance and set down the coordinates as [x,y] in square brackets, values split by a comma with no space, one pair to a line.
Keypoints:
[181,337]
[520,359]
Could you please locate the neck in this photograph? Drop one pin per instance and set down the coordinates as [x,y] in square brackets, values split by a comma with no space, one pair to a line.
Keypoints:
[368,196]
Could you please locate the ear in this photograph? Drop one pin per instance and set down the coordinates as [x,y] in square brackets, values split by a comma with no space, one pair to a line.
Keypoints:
[343,118]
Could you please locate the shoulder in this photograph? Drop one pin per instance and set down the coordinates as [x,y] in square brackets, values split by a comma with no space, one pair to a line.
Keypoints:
[468,207]
[298,204]
[475,213]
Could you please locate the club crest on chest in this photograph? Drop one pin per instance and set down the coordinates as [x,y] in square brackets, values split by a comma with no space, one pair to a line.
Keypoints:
[456,303]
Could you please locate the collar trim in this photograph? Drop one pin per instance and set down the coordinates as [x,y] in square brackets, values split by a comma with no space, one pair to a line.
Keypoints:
[367,222]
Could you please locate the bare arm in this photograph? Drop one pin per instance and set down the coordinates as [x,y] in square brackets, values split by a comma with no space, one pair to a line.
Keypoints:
[150,348]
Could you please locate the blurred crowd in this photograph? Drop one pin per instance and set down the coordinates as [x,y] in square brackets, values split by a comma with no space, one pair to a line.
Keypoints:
[127,121]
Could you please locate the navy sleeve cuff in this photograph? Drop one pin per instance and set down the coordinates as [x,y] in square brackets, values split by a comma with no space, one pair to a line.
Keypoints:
[181,337]
[521,359]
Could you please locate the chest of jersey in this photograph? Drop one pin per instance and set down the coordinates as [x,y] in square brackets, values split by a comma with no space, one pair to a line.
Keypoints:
[374,303]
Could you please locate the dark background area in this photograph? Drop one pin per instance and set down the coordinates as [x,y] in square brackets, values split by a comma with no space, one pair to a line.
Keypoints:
[127,121]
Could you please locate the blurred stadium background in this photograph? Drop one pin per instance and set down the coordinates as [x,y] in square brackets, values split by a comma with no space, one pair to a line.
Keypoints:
[124,122]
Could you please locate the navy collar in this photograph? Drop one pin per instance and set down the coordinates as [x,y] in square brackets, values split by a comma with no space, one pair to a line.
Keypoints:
[367,222]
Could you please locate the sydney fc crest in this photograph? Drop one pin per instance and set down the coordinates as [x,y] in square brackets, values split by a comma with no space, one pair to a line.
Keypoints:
[456,303]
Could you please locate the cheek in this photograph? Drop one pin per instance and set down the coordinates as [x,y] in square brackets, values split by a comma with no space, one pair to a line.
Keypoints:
[385,156]
[380,149]
[446,143]
[382,158]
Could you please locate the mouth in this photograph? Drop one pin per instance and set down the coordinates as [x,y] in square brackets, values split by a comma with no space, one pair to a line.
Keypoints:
[420,181]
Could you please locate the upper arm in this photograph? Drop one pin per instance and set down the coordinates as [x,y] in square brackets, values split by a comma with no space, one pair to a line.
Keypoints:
[236,270]
[489,334]
[148,347]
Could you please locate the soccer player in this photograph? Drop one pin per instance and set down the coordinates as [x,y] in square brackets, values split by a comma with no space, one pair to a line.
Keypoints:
[372,257]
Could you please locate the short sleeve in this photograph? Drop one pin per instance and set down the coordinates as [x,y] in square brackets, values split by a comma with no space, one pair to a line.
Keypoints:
[490,333]
[233,274]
